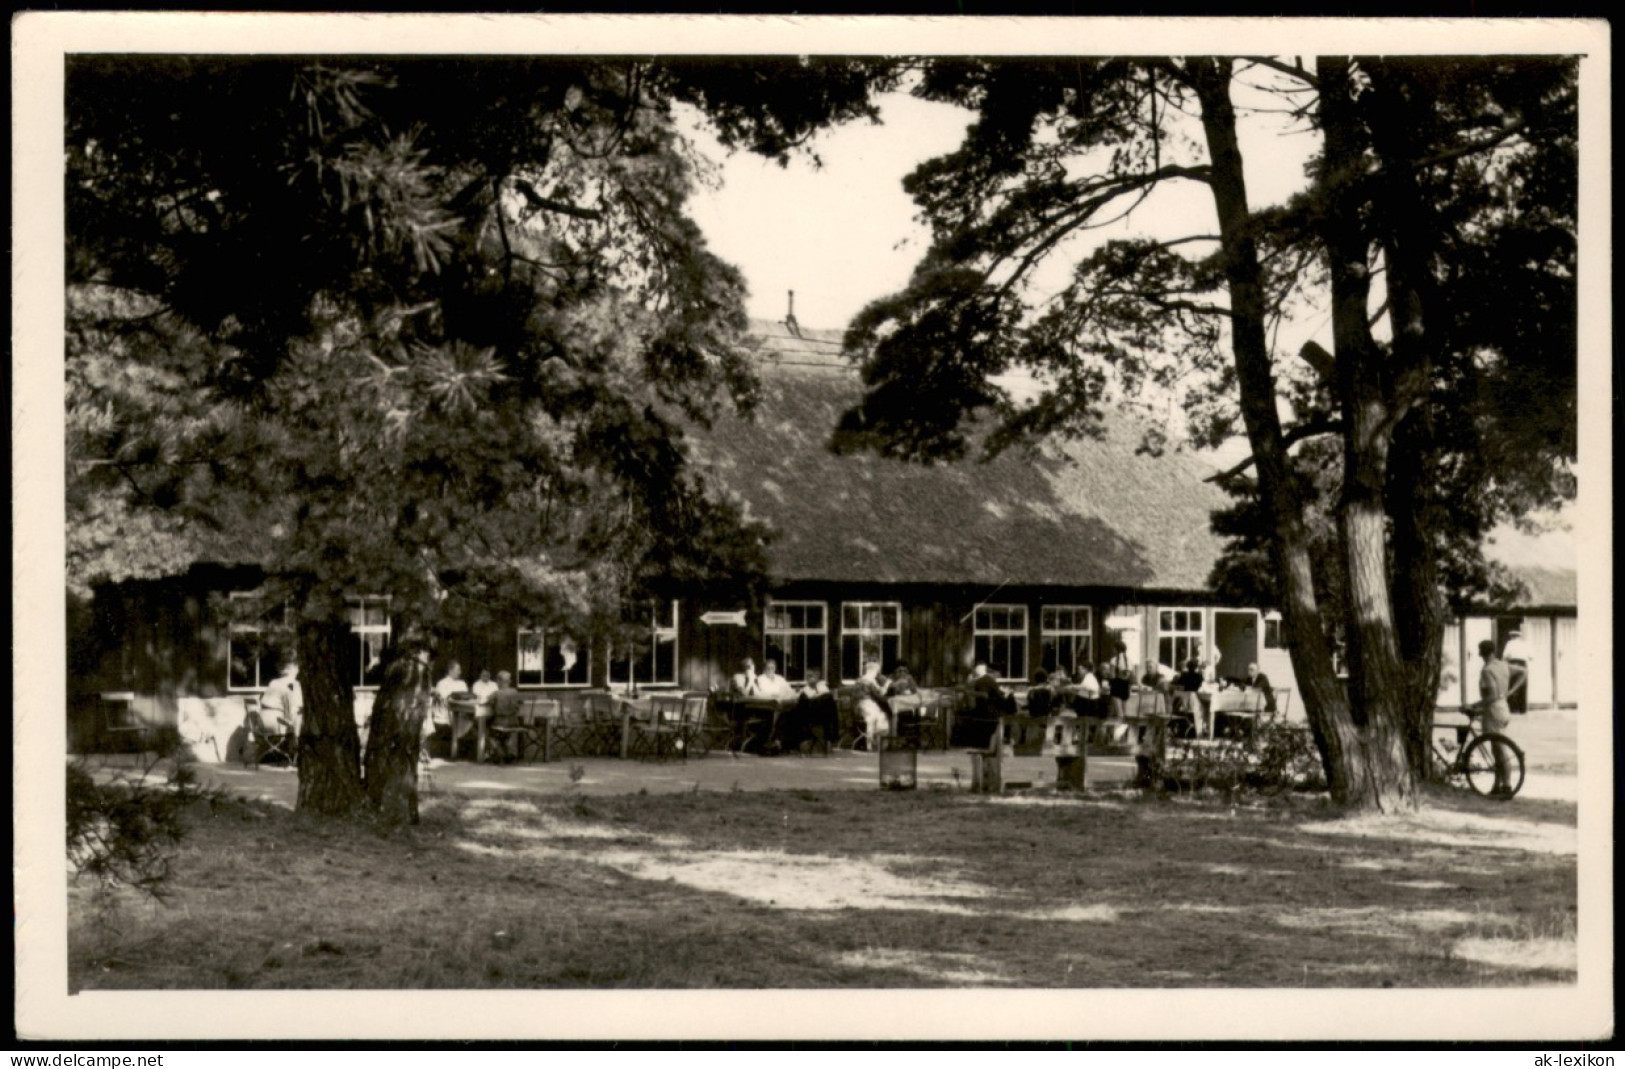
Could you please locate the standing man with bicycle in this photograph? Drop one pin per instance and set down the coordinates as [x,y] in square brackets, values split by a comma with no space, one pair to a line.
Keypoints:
[1494,681]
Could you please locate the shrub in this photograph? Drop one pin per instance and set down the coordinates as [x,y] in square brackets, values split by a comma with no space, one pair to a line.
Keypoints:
[1288,759]
[123,828]
[1277,757]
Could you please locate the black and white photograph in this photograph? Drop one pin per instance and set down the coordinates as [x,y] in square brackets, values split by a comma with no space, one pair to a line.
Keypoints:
[812,529]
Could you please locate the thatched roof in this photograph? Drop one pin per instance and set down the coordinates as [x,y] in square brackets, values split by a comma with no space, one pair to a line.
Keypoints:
[1090,513]
[1548,588]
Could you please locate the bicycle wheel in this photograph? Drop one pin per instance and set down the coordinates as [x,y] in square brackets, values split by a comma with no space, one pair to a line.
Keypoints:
[1479,764]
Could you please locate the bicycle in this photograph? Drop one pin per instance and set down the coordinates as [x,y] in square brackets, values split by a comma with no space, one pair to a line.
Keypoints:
[1469,753]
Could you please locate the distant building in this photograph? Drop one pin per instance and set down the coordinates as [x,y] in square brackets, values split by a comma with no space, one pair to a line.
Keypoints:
[1548,619]
[1025,562]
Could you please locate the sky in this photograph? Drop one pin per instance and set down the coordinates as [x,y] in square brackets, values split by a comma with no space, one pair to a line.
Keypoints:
[845,233]
[839,235]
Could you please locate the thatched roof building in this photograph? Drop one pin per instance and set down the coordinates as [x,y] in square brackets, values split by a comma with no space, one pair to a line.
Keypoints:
[1087,513]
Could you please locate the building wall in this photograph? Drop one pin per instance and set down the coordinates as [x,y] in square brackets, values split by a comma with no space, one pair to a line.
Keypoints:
[160,642]
[1553,636]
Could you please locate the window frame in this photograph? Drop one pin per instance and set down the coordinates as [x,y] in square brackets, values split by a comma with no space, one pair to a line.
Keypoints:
[1046,633]
[862,631]
[1177,635]
[790,633]
[360,630]
[1010,633]
[584,659]
[258,628]
[658,633]
[1274,627]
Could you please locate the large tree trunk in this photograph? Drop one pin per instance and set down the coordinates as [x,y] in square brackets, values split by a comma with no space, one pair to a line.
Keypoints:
[1380,773]
[1282,492]
[395,739]
[1419,606]
[1397,112]
[329,747]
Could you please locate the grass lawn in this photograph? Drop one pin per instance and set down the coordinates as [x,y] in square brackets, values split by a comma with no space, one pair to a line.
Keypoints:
[817,889]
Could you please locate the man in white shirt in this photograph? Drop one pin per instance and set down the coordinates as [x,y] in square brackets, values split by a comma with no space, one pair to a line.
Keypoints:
[483,688]
[772,685]
[282,705]
[745,680]
[451,683]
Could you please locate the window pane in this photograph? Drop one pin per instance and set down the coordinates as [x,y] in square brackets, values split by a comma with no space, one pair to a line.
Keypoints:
[665,660]
[574,664]
[530,658]
[530,652]
[850,617]
[814,661]
[243,666]
[815,617]
[851,653]
[372,663]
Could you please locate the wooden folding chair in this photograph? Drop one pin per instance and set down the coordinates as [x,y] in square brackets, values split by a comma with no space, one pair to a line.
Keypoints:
[532,734]
[262,740]
[660,737]
[601,724]
[696,734]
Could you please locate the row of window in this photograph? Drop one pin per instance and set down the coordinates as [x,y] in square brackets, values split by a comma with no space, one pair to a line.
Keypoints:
[795,634]
[545,659]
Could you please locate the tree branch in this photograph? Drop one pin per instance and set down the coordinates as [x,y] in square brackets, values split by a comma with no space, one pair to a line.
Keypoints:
[1291,437]
[1079,217]
[547,204]
[1505,133]
[1299,73]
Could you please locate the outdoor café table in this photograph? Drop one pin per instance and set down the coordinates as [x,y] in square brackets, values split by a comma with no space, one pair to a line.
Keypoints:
[631,708]
[746,710]
[1234,703]
[462,708]
[906,706]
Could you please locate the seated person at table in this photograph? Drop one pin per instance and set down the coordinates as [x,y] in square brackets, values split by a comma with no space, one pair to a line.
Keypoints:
[772,685]
[1191,679]
[282,705]
[743,684]
[1041,695]
[814,720]
[483,688]
[872,706]
[975,726]
[1187,685]
[1256,680]
[1120,687]
[902,682]
[504,705]
[452,683]
[814,687]
[1087,702]
[1154,678]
